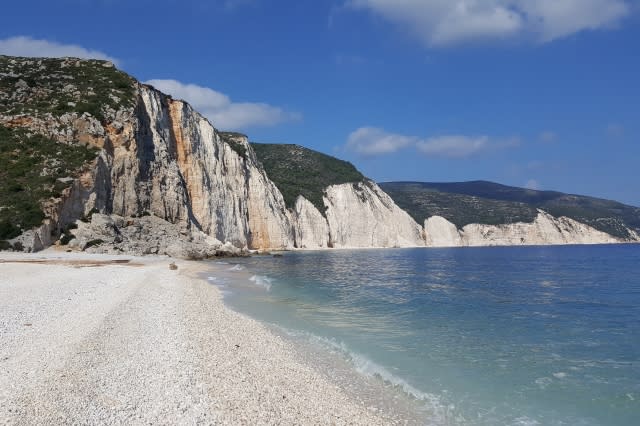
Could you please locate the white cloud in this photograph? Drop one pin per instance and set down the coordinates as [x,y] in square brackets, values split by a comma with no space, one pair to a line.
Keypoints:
[453,146]
[553,19]
[448,22]
[219,108]
[30,47]
[374,141]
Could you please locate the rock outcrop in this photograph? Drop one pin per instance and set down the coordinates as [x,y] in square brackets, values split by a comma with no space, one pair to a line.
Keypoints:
[439,232]
[544,230]
[114,234]
[362,215]
[358,215]
[310,227]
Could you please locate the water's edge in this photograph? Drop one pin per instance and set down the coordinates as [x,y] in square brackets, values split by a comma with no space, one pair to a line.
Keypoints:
[362,383]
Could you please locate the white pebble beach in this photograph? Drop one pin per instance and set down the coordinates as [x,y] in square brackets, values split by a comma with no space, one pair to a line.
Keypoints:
[97,339]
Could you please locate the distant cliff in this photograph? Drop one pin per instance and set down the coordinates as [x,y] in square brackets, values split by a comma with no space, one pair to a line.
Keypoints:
[485,213]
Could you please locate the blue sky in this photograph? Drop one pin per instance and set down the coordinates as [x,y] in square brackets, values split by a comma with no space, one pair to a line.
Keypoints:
[538,93]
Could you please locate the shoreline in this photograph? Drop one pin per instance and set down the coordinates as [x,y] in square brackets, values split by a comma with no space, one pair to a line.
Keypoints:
[92,339]
[363,383]
[267,252]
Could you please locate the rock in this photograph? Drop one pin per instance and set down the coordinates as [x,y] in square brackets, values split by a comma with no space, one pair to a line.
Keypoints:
[311,229]
[357,215]
[439,232]
[173,266]
[362,215]
[544,230]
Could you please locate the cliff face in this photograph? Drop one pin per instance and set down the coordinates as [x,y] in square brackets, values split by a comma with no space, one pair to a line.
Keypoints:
[311,228]
[481,202]
[158,157]
[362,215]
[358,215]
[439,232]
[190,174]
[545,230]
[167,160]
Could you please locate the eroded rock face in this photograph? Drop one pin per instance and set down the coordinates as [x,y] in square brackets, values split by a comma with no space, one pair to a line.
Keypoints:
[181,170]
[439,232]
[362,215]
[544,230]
[162,158]
[114,234]
[310,227]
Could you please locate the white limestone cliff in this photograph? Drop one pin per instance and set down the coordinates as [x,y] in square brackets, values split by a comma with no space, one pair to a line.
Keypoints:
[358,215]
[362,215]
[544,230]
[310,227]
[161,158]
[439,232]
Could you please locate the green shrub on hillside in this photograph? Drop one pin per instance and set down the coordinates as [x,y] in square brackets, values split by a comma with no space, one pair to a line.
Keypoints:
[30,166]
[229,138]
[300,171]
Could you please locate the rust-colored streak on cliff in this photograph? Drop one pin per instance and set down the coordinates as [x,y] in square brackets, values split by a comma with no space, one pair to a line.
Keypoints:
[183,150]
[185,158]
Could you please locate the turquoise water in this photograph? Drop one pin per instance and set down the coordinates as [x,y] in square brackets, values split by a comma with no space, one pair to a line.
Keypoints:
[487,336]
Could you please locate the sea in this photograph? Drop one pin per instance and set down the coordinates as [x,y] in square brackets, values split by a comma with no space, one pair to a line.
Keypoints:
[461,336]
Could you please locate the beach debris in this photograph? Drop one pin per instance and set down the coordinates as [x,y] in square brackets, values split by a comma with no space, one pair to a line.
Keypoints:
[173,266]
[237,346]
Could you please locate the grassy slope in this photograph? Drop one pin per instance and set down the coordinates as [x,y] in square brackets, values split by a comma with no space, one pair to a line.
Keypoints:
[300,171]
[490,203]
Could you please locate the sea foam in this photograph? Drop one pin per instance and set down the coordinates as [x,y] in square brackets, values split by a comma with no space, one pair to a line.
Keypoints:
[440,413]
[262,281]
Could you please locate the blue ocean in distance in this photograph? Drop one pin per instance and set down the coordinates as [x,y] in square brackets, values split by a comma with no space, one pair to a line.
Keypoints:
[478,336]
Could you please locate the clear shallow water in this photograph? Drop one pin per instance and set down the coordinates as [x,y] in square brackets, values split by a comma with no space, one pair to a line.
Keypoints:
[487,336]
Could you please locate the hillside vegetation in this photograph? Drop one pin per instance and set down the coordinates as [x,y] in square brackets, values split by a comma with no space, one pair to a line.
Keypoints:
[46,95]
[301,171]
[33,169]
[491,203]
[40,86]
